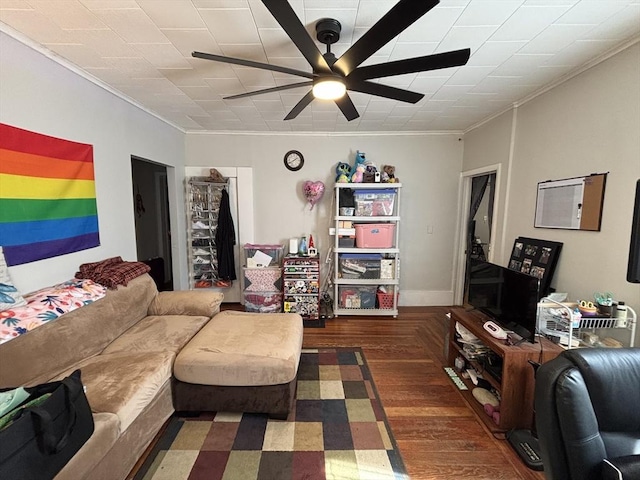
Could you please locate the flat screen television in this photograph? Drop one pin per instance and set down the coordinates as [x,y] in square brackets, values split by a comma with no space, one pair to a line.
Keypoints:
[508,297]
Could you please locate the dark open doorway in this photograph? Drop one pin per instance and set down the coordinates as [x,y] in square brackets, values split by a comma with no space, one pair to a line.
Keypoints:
[479,219]
[480,216]
[151,211]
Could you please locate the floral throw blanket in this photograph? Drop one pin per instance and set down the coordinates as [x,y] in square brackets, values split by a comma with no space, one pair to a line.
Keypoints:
[47,304]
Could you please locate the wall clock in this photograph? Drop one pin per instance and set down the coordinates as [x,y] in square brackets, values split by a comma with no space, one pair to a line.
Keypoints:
[293,160]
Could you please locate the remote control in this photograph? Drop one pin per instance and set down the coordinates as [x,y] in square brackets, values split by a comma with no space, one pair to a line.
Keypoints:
[495,330]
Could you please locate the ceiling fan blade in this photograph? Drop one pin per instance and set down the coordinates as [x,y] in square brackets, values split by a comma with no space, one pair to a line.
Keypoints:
[295,111]
[384,91]
[403,14]
[347,107]
[412,65]
[251,63]
[270,90]
[289,21]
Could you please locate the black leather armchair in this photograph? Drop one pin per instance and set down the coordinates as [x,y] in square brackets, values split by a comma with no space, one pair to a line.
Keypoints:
[588,414]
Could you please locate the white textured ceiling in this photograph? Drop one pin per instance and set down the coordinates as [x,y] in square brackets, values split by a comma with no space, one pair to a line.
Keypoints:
[142,49]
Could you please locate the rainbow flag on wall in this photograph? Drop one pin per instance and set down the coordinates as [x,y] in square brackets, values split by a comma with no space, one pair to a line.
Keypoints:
[47,196]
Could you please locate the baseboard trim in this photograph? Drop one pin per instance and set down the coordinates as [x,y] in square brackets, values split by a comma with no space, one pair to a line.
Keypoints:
[425,298]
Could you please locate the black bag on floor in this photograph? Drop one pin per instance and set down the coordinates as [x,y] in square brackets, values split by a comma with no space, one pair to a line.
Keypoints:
[52,425]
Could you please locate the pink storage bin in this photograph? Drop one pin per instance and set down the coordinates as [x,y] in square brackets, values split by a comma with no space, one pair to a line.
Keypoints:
[375,235]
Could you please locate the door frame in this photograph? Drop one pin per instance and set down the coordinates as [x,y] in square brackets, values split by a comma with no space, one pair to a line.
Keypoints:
[464,199]
[163,222]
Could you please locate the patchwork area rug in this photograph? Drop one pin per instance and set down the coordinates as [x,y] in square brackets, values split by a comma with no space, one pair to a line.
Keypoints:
[337,430]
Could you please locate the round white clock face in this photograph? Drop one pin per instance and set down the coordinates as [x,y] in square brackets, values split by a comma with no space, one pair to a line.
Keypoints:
[293,160]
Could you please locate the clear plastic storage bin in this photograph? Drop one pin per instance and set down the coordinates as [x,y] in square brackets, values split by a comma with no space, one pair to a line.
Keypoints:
[374,203]
[263,302]
[359,265]
[263,255]
[357,297]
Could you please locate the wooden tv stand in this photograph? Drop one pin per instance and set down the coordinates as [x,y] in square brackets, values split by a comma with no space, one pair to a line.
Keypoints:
[516,385]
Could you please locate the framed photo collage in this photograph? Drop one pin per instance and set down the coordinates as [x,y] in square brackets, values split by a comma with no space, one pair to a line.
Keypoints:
[537,258]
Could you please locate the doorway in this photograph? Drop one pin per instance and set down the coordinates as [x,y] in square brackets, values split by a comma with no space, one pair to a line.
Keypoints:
[480,216]
[152,224]
[477,226]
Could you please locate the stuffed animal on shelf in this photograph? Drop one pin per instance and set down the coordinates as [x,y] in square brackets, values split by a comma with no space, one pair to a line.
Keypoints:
[357,172]
[389,174]
[358,175]
[370,173]
[369,165]
[359,159]
[489,402]
[343,172]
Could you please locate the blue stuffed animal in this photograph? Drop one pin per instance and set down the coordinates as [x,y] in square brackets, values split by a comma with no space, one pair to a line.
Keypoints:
[343,172]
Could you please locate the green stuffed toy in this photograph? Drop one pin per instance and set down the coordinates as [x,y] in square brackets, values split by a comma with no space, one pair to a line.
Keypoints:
[343,172]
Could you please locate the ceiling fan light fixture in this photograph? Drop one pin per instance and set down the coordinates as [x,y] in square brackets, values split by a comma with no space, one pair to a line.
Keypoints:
[329,88]
[329,75]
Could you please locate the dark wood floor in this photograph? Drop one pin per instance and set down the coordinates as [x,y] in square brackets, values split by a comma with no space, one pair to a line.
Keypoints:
[438,434]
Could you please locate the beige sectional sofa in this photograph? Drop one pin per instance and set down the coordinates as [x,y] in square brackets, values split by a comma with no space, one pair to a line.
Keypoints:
[125,345]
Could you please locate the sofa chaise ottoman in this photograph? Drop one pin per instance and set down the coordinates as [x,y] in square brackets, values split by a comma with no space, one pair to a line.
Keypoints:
[240,362]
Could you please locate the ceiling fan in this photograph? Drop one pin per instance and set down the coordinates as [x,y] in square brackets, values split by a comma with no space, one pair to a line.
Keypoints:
[331,77]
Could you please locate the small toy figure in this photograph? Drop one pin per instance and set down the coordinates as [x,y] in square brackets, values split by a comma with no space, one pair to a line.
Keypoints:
[370,174]
[302,249]
[343,171]
[312,251]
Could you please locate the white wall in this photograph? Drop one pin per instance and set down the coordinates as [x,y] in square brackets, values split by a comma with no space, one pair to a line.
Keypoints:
[490,145]
[39,94]
[427,165]
[588,124]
